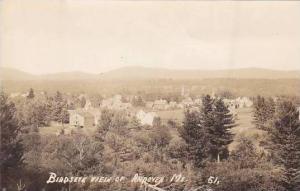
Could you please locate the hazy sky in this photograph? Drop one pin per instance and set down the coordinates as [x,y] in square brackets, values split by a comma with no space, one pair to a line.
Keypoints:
[46,36]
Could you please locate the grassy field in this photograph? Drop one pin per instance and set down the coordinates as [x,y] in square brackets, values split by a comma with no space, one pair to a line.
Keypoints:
[176,115]
[67,129]
[51,129]
[245,127]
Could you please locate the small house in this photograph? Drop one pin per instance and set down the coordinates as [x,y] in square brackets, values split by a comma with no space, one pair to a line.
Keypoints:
[83,118]
[146,118]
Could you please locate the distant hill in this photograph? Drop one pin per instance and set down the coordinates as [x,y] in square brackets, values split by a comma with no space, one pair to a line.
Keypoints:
[132,73]
[14,74]
[17,75]
[247,73]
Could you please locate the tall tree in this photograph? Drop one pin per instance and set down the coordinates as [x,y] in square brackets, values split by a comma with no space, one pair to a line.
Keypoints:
[82,102]
[284,143]
[191,134]
[207,124]
[11,150]
[207,131]
[59,108]
[195,131]
[220,131]
[30,94]
[264,110]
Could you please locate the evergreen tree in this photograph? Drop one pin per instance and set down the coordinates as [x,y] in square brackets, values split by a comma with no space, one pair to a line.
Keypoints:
[156,122]
[59,108]
[135,123]
[196,133]
[270,108]
[58,97]
[193,134]
[82,102]
[11,150]
[284,143]
[207,131]
[245,154]
[30,94]
[220,131]
[263,112]
[207,124]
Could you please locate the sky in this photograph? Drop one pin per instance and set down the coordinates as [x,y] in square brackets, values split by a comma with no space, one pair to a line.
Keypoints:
[51,36]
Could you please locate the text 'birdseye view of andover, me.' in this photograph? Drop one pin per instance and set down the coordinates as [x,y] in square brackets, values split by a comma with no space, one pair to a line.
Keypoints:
[149,96]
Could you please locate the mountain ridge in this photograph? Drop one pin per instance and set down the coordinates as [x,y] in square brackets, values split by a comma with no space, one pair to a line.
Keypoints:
[138,72]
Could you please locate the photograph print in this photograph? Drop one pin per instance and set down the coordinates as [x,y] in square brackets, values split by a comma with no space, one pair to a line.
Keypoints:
[152,95]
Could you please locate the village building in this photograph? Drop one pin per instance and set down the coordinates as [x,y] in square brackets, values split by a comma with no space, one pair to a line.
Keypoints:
[146,118]
[25,94]
[198,101]
[240,102]
[244,102]
[84,118]
[180,106]
[187,102]
[231,104]
[115,103]
[13,95]
[160,104]
[149,104]
[173,105]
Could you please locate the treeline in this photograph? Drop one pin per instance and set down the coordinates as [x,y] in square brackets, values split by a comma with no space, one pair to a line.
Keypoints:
[121,146]
[160,88]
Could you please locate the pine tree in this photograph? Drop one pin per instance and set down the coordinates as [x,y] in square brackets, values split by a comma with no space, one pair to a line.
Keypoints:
[135,123]
[220,131]
[195,131]
[82,102]
[193,134]
[59,108]
[207,124]
[11,150]
[30,94]
[245,154]
[284,143]
[270,108]
[207,131]
[263,112]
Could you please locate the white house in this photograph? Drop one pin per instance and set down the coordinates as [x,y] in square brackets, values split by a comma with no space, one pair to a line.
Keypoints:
[84,118]
[76,119]
[244,102]
[187,102]
[160,104]
[146,118]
